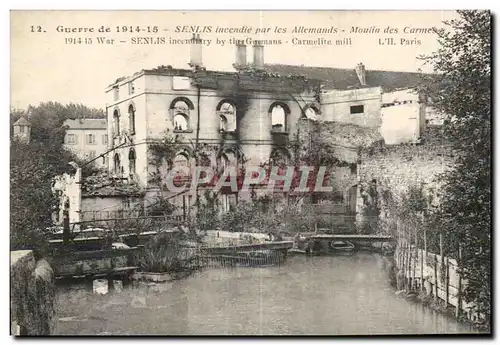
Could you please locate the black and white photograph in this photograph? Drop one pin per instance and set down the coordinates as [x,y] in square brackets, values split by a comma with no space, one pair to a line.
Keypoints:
[250,173]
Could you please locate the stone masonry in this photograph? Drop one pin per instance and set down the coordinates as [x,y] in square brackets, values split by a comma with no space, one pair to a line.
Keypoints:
[32,295]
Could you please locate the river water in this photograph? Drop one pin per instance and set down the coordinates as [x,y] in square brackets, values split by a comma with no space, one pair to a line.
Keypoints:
[336,295]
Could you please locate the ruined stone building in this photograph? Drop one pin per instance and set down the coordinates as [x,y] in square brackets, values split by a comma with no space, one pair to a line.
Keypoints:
[387,99]
[247,117]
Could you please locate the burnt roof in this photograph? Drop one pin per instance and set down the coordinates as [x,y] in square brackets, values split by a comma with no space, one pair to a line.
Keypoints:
[332,78]
[102,185]
[112,191]
[344,78]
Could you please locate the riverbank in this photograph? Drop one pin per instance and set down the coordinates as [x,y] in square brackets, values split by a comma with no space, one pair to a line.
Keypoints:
[439,306]
[325,295]
[409,285]
[390,266]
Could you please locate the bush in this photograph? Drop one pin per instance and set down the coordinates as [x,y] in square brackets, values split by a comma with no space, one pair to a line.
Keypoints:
[164,253]
[249,217]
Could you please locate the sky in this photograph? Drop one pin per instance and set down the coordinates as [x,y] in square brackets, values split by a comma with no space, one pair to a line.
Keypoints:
[46,67]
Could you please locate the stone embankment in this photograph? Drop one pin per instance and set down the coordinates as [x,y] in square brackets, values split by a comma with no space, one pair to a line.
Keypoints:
[32,292]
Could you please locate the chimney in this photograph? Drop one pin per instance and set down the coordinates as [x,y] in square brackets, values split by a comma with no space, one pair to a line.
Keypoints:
[258,56]
[241,56]
[361,72]
[196,57]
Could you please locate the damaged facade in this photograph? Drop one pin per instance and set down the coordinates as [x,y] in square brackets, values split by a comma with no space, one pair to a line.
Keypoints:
[94,197]
[255,115]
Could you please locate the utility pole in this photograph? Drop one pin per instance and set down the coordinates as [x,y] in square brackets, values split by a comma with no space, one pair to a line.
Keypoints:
[66,230]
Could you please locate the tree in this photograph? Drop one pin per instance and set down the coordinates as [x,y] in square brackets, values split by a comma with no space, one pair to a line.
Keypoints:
[249,216]
[207,212]
[34,165]
[47,118]
[462,91]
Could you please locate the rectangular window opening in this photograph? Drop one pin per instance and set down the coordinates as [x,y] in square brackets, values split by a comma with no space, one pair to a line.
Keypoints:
[71,139]
[91,139]
[357,109]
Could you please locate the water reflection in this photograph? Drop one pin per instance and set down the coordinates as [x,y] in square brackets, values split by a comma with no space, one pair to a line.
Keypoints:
[320,295]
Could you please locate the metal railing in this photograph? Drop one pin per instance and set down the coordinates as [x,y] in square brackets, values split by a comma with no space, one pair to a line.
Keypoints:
[101,216]
[87,216]
[251,259]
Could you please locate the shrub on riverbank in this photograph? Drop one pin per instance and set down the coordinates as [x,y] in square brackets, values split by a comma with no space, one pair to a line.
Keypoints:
[164,253]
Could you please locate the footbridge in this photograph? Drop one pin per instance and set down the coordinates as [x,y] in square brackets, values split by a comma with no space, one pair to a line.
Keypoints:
[352,238]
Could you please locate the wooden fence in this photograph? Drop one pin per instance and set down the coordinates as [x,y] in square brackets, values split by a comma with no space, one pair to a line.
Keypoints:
[430,273]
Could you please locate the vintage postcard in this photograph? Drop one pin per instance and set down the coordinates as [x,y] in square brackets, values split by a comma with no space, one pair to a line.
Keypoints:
[250,172]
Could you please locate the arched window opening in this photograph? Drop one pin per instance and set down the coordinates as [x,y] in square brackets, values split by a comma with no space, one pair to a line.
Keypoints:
[223,123]
[311,113]
[116,123]
[181,107]
[227,116]
[180,110]
[181,161]
[117,164]
[131,118]
[224,161]
[279,113]
[131,162]
[280,157]
[204,160]
[180,167]
[180,122]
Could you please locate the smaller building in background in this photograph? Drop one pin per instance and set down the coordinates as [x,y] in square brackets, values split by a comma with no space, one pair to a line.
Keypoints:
[88,138]
[403,117]
[407,116]
[22,129]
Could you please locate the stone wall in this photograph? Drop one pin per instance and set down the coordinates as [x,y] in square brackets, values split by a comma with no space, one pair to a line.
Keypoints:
[90,262]
[105,207]
[32,294]
[341,141]
[394,169]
